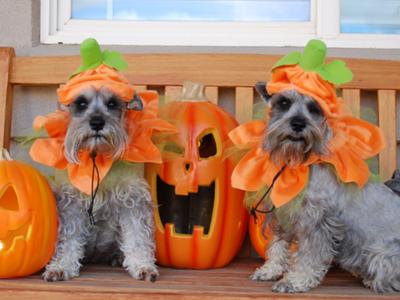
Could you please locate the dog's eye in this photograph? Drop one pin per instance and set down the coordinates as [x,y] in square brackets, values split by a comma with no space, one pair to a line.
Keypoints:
[284,103]
[81,103]
[314,109]
[112,103]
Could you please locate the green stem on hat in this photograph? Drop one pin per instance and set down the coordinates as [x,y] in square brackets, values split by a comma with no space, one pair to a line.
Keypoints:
[313,55]
[92,57]
[90,52]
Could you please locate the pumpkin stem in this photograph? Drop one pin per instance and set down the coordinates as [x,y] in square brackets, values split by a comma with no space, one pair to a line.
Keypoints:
[4,155]
[192,91]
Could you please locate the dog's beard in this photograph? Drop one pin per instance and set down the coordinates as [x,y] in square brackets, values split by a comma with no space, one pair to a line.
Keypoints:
[286,147]
[110,141]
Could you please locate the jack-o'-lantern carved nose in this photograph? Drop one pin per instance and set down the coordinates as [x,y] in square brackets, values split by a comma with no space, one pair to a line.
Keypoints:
[188,166]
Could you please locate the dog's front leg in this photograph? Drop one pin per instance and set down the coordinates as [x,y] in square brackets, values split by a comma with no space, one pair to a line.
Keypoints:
[277,260]
[137,231]
[72,236]
[312,260]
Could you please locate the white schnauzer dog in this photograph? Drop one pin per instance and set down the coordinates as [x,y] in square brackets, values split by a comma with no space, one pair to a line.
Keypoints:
[356,228]
[123,232]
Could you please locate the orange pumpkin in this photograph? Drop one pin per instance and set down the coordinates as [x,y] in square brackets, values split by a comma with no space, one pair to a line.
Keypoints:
[260,235]
[28,219]
[200,219]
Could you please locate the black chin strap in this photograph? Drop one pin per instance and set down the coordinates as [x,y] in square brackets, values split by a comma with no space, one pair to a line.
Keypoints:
[95,171]
[255,210]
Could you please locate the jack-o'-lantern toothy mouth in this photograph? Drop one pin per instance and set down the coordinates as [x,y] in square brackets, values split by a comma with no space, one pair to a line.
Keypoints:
[17,231]
[185,212]
[14,237]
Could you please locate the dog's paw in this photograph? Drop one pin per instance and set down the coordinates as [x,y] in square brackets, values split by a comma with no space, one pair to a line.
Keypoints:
[57,275]
[117,260]
[287,286]
[267,273]
[144,272]
[367,283]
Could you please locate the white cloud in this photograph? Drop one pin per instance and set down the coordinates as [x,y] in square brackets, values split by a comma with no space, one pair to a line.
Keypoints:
[126,15]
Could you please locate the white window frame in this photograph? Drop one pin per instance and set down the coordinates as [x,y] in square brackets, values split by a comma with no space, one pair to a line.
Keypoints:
[57,27]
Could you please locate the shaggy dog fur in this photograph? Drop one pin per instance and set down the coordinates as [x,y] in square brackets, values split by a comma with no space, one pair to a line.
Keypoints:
[123,232]
[359,229]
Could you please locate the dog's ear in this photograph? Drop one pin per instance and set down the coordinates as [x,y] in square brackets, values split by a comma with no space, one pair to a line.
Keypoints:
[262,90]
[136,103]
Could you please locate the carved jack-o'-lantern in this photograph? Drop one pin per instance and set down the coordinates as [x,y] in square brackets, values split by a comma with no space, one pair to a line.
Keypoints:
[28,219]
[200,219]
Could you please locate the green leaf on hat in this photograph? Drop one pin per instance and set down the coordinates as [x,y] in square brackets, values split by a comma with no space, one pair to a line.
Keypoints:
[313,59]
[336,72]
[115,60]
[292,58]
[92,57]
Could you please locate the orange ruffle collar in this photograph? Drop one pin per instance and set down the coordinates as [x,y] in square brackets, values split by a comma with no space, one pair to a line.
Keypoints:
[353,141]
[140,126]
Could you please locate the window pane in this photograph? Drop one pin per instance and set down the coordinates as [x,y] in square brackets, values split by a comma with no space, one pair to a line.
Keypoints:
[196,10]
[370,16]
[89,9]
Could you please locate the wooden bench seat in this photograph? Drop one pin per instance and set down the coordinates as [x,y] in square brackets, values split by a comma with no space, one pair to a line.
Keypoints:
[232,282]
[229,79]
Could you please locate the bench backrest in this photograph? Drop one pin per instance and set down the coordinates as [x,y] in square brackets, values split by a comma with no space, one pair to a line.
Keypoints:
[238,72]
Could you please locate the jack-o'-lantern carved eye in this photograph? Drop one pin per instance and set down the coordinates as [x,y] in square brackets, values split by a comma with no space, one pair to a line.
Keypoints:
[8,199]
[207,145]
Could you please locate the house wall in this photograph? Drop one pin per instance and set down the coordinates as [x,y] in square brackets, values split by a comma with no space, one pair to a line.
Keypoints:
[20,28]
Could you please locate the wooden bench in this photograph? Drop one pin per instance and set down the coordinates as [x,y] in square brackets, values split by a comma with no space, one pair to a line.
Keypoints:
[229,79]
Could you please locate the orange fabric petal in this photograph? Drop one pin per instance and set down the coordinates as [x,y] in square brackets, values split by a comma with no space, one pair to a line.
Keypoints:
[354,141]
[80,174]
[362,138]
[55,123]
[249,173]
[49,152]
[289,184]
[349,167]
[248,134]
[102,76]
[141,127]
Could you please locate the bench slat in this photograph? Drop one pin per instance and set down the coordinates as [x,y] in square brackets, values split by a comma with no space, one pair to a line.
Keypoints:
[140,88]
[6,96]
[172,93]
[212,94]
[223,70]
[351,98]
[244,104]
[387,122]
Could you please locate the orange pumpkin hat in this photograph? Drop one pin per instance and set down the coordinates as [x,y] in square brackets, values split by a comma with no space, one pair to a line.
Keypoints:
[353,140]
[99,69]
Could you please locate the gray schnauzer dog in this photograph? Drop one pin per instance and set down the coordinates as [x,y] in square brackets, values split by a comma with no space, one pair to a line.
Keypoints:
[123,232]
[356,228]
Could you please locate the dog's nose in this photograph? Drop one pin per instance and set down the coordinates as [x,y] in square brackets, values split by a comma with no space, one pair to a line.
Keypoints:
[97,123]
[298,124]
